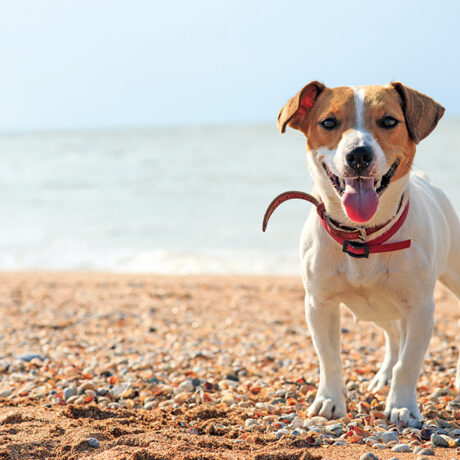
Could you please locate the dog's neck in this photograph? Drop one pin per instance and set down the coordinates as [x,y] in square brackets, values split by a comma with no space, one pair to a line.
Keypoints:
[389,204]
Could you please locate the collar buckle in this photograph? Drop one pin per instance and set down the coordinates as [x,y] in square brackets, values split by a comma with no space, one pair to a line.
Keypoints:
[347,244]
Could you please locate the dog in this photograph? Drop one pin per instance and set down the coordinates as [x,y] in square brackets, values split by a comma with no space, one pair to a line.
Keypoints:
[382,235]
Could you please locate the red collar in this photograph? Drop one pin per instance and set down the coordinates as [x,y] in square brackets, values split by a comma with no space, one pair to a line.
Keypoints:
[345,235]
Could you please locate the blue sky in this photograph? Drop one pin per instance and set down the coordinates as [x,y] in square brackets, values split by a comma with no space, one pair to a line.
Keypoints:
[109,63]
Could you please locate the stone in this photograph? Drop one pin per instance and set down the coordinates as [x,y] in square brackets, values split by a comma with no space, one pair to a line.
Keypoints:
[69,392]
[28,357]
[439,441]
[118,390]
[93,442]
[72,399]
[426,433]
[101,391]
[368,456]
[414,423]
[337,429]
[228,399]
[426,451]
[250,422]
[187,386]
[86,386]
[388,436]
[281,433]
[297,423]
[6,393]
[401,448]
[339,442]
[379,445]
[318,420]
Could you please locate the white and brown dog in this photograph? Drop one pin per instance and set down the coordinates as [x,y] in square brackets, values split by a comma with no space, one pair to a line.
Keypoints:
[369,249]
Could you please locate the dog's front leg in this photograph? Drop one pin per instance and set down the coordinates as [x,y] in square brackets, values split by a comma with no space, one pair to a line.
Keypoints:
[324,322]
[416,332]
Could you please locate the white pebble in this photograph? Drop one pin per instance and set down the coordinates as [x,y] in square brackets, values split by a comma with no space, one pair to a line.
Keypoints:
[401,448]
[368,456]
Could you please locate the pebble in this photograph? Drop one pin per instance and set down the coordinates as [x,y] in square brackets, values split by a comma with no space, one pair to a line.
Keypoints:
[69,392]
[340,443]
[102,391]
[318,420]
[439,441]
[297,423]
[426,451]
[28,357]
[289,417]
[187,386]
[228,400]
[281,432]
[425,434]
[250,422]
[93,442]
[388,436]
[336,429]
[6,393]
[86,386]
[413,423]
[379,445]
[118,390]
[368,456]
[401,448]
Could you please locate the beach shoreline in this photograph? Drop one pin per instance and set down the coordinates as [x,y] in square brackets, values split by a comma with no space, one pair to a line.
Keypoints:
[164,366]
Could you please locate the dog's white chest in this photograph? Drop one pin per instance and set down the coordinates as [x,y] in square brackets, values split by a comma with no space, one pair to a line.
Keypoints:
[372,296]
[372,291]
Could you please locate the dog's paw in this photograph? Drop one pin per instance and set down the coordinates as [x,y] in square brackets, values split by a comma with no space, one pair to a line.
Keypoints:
[331,407]
[380,380]
[402,414]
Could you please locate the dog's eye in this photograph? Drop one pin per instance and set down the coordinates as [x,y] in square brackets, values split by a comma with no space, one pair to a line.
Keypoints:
[329,123]
[388,122]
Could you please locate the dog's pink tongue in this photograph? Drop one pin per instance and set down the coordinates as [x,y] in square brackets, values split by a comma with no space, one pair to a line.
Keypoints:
[360,199]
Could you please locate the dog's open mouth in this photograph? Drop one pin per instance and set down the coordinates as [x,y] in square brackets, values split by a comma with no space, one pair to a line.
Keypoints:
[360,195]
[380,185]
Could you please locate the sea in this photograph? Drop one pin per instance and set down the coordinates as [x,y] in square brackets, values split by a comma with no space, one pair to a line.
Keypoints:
[168,200]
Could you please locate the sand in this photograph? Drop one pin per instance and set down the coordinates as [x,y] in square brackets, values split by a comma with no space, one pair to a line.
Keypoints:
[156,367]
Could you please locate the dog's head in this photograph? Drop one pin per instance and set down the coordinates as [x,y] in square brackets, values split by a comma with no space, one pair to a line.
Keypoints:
[361,143]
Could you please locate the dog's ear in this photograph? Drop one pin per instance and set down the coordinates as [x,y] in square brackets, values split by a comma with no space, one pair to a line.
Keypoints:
[420,111]
[298,106]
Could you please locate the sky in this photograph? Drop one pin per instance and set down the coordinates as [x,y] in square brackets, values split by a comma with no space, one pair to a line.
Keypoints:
[69,64]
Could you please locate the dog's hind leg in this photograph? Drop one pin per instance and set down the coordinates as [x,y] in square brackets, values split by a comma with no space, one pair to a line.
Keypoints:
[451,276]
[451,280]
[392,333]
[324,323]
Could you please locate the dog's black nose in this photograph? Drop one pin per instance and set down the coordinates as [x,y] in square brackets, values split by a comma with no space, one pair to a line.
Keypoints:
[359,158]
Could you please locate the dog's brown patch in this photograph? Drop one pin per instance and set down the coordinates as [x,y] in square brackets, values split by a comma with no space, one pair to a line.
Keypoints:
[379,102]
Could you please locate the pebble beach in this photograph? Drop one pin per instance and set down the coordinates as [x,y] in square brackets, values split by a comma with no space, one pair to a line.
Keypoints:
[111,366]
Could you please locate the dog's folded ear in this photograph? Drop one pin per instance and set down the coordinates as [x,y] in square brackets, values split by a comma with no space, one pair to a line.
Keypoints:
[297,107]
[420,111]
